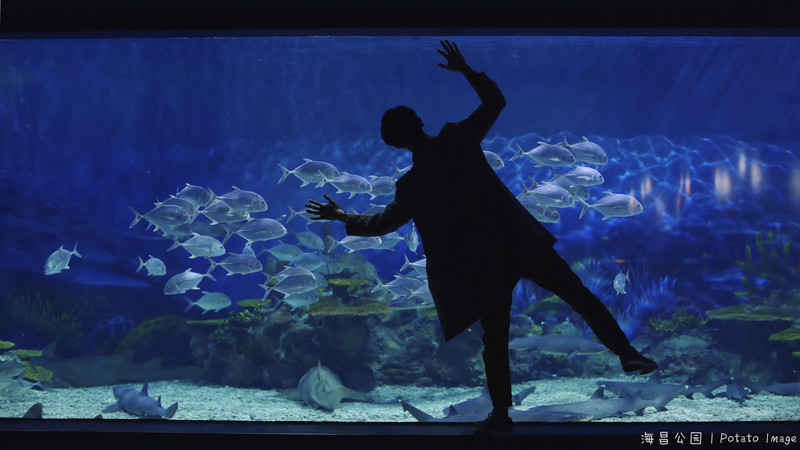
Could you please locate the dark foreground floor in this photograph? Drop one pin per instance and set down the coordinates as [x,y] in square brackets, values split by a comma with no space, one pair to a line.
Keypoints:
[146,434]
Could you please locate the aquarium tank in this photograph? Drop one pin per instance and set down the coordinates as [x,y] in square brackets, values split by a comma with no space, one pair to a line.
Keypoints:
[158,260]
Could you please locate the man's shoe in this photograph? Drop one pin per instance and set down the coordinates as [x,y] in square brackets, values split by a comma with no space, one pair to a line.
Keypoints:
[633,361]
[495,425]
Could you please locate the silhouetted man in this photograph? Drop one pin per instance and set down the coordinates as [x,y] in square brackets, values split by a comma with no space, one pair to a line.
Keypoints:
[478,239]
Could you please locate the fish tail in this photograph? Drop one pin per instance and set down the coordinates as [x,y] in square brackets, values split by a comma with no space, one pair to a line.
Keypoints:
[286,173]
[174,245]
[292,214]
[141,263]
[191,303]
[75,250]
[136,219]
[335,243]
[212,197]
[210,269]
[378,285]
[228,233]
[586,207]
[171,411]
[519,152]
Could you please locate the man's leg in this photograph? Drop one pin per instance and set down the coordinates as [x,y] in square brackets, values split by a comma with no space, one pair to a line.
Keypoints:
[554,274]
[495,326]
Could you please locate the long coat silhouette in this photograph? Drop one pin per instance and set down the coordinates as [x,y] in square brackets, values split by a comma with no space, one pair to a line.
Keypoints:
[475,233]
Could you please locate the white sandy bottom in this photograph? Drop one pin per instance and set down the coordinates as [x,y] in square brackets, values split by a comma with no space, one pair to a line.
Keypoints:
[223,403]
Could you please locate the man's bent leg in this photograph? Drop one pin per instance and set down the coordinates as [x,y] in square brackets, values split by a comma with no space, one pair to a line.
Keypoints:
[554,274]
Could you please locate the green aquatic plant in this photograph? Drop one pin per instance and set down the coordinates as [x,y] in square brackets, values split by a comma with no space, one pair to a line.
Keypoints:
[328,306]
[254,303]
[772,270]
[679,320]
[791,334]
[52,315]
[30,373]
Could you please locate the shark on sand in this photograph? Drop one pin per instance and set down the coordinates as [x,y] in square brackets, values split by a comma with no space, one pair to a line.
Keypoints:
[140,404]
[321,388]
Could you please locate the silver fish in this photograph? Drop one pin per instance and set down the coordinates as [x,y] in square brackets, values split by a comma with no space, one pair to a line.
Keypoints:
[347,183]
[494,160]
[285,252]
[306,299]
[244,200]
[620,281]
[310,240]
[412,239]
[549,195]
[59,260]
[310,261]
[354,243]
[238,264]
[547,155]
[291,285]
[210,301]
[155,267]
[588,151]
[311,171]
[221,212]
[614,205]
[399,287]
[262,229]
[381,186]
[199,196]
[185,281]
[200,246]
[163,216]
[584,176]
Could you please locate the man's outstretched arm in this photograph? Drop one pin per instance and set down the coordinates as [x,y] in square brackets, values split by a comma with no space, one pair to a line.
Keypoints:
[389,220]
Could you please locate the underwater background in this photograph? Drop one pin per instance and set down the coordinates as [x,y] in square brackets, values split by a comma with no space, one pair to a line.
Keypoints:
[701,130]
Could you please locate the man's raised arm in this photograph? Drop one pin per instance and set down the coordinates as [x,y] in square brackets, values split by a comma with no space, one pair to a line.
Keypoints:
[492,100]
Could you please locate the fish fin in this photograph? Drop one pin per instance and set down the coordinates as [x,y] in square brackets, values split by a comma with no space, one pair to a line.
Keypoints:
[112,408]
[171,411]
[141,263]
[286,173]
[144,388]
[355,395]
[418,414]
[136,219]
[519,153]
[75,250]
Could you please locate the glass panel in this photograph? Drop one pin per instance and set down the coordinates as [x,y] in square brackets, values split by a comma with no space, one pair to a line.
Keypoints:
[136,247]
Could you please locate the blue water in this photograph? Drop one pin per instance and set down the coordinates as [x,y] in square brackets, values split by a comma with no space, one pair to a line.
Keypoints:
[701,130]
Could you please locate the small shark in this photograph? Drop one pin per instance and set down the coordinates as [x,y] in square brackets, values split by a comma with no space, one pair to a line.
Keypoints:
[599,406]
[321,388]
[650,390]
[515,414]
[482,404]
[774,388]
[557,343]
[140,404]
[85,371]
[705,389]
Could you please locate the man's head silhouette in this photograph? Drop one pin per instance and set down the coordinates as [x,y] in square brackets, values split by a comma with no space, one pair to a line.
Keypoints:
[401,127]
